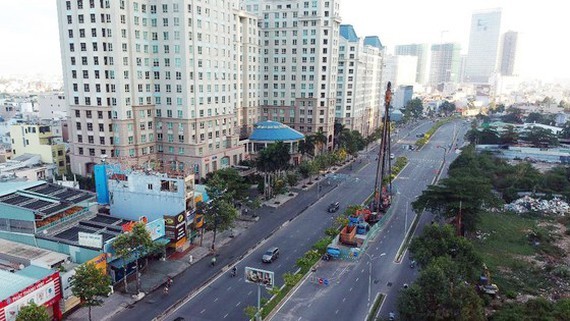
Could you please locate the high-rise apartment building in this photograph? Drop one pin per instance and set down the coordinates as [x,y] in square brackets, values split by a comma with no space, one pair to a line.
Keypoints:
[418,50]
[508,53]
[358,99]
[445,63]
[299,41]
[399,70]
[169,83]
[483,51]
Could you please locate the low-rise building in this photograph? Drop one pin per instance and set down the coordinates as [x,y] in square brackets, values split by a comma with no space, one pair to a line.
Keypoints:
[39,139]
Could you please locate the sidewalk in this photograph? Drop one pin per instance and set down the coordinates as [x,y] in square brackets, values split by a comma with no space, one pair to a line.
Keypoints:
[156,274]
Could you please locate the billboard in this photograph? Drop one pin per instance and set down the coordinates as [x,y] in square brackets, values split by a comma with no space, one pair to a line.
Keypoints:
[156,228]
[258,276]
[90,240]
[175,227]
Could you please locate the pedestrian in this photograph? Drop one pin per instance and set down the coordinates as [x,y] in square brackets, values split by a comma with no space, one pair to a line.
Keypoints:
[191,259]
[169,282]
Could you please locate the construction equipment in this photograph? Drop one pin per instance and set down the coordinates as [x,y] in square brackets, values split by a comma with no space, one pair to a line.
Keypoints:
[485,285]
[383,183]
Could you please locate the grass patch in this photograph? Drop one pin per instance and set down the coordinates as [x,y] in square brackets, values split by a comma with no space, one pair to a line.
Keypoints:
[503,247]
[375,307]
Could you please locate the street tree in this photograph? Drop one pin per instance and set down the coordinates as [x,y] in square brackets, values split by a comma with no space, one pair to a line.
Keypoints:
[219,215]
[272,162]
[441,241]
[440,293]
[447,107]
[90,284]
[461,197]
[414,109]
[320,140]
[306,147]
[33,312]
[132,246]
[229,181]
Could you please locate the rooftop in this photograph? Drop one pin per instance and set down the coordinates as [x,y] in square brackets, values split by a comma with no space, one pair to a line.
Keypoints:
[272,131]
[348,33]
[12,283]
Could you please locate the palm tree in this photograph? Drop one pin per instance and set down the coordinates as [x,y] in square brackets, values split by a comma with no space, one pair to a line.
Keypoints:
[338,129]
[319,139]
[306,147]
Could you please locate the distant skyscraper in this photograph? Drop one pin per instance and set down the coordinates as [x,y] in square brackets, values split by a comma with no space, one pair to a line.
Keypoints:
[482,55]
[445,63]
[508,53]
[420,51]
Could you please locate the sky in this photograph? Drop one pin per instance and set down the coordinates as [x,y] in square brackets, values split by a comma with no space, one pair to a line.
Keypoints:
[29,30]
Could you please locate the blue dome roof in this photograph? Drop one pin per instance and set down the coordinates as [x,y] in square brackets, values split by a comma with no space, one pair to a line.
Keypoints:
[271,131]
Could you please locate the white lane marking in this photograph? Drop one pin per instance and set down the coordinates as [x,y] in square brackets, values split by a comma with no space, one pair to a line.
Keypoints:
[229,288]
[356,280]
[336,312]
[216,300]
[225,316]
[250,292]
[237,305]
[350,290]
[362,271]
[202,312]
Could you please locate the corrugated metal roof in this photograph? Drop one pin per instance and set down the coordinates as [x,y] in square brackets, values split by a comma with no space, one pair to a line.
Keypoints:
[11,187]
[272,131]
[12,283]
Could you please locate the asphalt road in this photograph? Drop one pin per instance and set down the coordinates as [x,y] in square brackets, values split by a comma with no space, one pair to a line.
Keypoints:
[226,298]
[353,285]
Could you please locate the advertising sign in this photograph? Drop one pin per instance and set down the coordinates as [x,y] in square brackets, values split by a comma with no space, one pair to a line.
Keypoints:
[156,228]
[258,276]
[100,262]
[91,240]
[44,292]
[175,227]
[66,283]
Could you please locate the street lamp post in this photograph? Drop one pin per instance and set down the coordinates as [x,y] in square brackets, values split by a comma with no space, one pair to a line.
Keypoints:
[370,258]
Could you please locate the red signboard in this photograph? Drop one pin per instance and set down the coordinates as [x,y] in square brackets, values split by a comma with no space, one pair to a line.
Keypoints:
[45,292]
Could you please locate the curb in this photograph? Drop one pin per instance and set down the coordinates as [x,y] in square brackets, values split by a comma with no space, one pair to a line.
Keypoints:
[239,258]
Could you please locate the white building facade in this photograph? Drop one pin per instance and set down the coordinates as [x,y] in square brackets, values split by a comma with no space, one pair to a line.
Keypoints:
[157,83]
[359,87]
[299,41]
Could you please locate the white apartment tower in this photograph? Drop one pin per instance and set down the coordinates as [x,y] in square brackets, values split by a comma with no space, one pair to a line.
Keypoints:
[483,52]
[358,100]
[509,46]
[422,52]
[299,41]
[159,82]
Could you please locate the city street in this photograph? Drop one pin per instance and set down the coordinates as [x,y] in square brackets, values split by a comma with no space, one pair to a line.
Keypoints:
[354,285]
[198,295]
[233,294]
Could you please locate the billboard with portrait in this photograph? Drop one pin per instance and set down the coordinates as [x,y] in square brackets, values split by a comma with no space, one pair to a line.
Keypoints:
[258,276]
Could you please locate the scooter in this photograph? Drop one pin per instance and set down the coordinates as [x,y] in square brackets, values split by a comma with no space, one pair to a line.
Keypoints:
[233,273]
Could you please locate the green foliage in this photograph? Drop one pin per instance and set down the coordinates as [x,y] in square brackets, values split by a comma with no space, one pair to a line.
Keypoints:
[273,158]
[540,137]
[352,141]
[292,179]
[291,279]
[536,309]
[228,183]
[440,241]
[447,107]
[250,311]
[513,116]
[322,244]
[308,168]
[90,284]
[331,231]
[33,312]
[220,214]
[440,293]
[414,109]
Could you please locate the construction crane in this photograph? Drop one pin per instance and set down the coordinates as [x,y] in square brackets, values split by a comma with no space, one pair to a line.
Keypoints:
[383,183]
